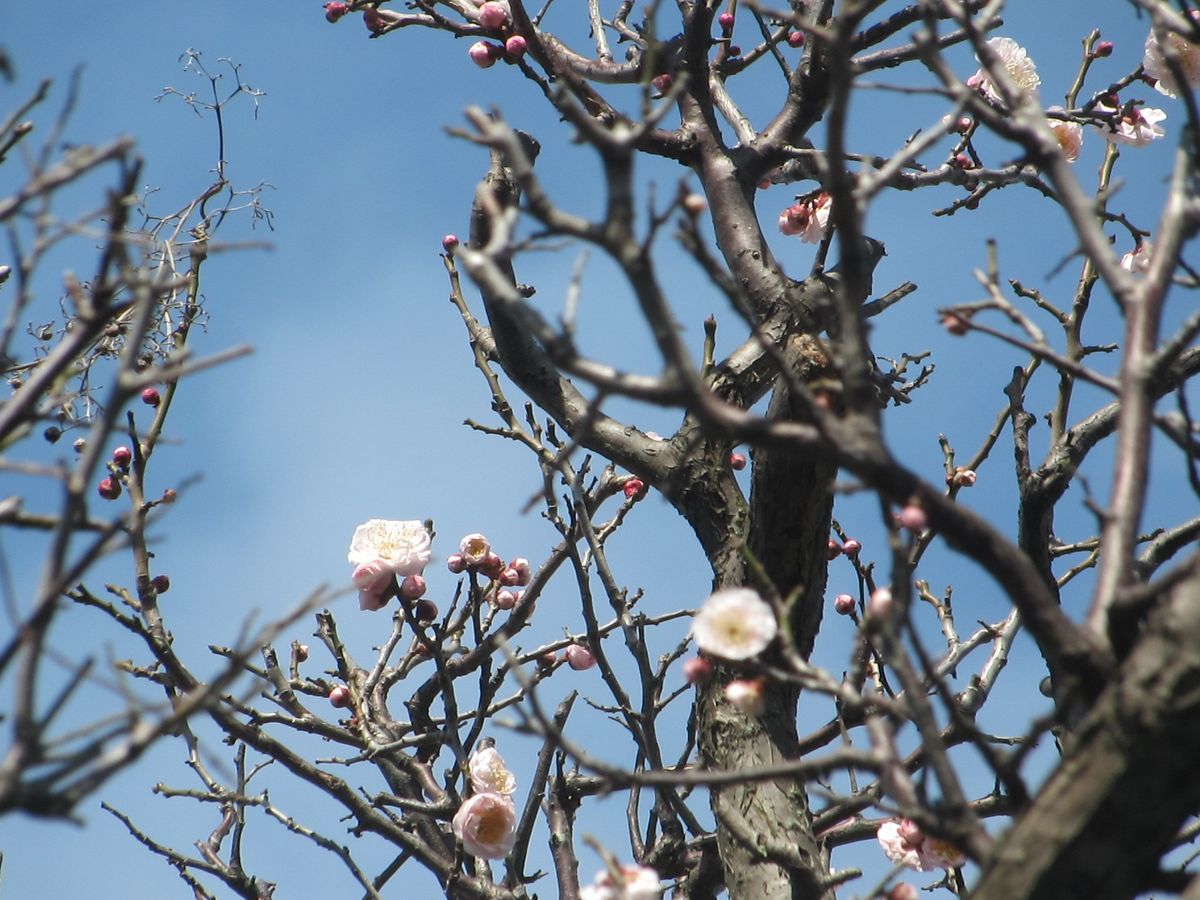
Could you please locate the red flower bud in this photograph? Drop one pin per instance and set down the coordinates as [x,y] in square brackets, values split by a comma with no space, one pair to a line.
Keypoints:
[725,20]
[1104,48]
[449,242]
[334,11]
[339,697]
[109,488]
[795,38]
[634,488]
[150,396]
[122,457]
[737,461]
[851,547]
[161,583]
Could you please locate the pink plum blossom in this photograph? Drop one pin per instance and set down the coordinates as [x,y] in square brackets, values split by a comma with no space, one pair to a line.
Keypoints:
[1186,54]
[523,569]
[375,576]
[734,623]
[404,546]
[474,549]
[746,695]
[1016,62]
[1137,126]
[629,883]
[486,824]
[339,696]
[807,219]
[489,774]
[844,604]
[906,844]
[896,848]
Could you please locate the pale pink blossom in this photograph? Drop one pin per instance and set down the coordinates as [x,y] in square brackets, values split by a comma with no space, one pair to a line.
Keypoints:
[746,695]
[488,773]
[808,219]
[734,623]
[1137,261]
[474,549]
[404,546]
[483,54]
[629,883]
[375,576]
[697,670]
[1136,127]
[487,825]
[1068,134]
[912,517]
[1016,62]
[906,844]
[897,849]
[1186,54]
[579,658]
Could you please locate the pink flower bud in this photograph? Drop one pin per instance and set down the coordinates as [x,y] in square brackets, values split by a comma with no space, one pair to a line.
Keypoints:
[735,50]
[334,11]
[339,697]
[903,891]
[962,161]
[694,204]
[881,603]
[122,457]
[371,601]
[455,563]
[491,566]
[697,670]
[844,604]
[412,587]
[482,54]
[301,652]
[161,583]
[955,324]
[579,657]
[493,16]
[150,396]
[634,487]
[834,549]
[449,242]
[547,661]
[1102,49]
[505,600]
[523,569]
[374,20]
[515,47]
[725,20]
[963,125]
[851,547]
[912,517]
[425,611]
[737,461]
[795,38]
[169,496]
[510,577]
[109,488]
[746,695]
[662,83]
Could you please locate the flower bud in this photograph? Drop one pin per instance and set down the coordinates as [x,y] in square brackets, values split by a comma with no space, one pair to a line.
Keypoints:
[697,670]
[547,661]
[844,604]
[579,657]
[493,16]
[834,549]
[505,600]
[151,397]
[694,204]
[903,891]
[881,603]
[449,242]
[339,697]
[746,695]
[425,611]
[515,47]
[482,54]
[912,517]
[334,11]
[911,833]
[122,457]
[523,570]
[735,50]
[412,587]
[851,547]
[634,488]
[169,496]
[510,577]
[1102,49]
[737,461]
[662,83]
[963,125]
[161,583]
[491,566]
[455,563]
[795,38]
[109,488]
[301,651]
[725,20]
[955,324]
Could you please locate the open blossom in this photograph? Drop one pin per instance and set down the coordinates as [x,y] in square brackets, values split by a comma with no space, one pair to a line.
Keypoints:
[488,773]
[1185,53]
[630,883]
[474,549]
[905,844]
[1016,62]
[404,546]
[734,623]
[809,219]
[1137,261]
[1068,134]
[1136,127]
[487,825]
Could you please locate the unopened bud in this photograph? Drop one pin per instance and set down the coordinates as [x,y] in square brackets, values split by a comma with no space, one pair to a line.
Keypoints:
[1102,49]
[579,657]
[515,47]
[844,604]
[697,670]
[493,16]
[339,697]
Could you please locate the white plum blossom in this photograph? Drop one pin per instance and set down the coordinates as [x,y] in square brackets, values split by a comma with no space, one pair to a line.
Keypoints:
[474,549]
[1068,134]
[404,546]
[489,774]
[487,825]
[1186,54]
[1137,261]
[630,883]
[734,623]
[1137,127]
[809,219]
[1020,68]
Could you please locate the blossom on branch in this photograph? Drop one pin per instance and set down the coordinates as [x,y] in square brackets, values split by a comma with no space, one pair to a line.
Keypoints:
[1185,53]
[906,844]
[808,219]
[1134,126]
[1137,261]
[1068,134]
[1020,68]
[403,546]
[734,623]
[474,549]
[629,883]
[487,825]
[488,773]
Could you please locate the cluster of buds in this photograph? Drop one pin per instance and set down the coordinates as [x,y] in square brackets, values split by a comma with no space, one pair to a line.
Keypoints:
[475,555]
[389,558]
[496,18]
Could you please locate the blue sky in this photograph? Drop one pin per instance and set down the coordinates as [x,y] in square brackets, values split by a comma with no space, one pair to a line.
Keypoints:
[352,404]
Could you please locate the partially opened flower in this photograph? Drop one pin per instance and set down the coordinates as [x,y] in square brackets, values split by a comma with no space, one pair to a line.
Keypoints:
[1136,126]
[404,546]
[1016,62]
[474,549]
[807,219]
[1068,134]
[489,774]
[374,577]
[734,623]
[1137,261]
[629,883]
[1186,55]
[487,825]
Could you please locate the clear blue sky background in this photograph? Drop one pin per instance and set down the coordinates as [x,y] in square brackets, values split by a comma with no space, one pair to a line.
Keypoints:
[351,406]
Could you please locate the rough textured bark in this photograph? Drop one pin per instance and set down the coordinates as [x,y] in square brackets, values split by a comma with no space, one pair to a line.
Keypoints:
[1099,826]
